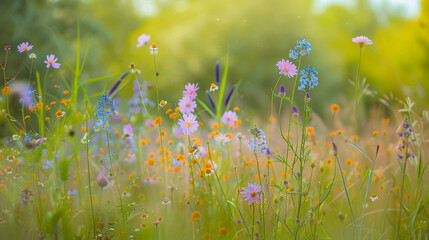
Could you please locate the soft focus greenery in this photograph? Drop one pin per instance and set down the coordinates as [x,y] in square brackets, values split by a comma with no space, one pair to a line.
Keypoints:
[193,35]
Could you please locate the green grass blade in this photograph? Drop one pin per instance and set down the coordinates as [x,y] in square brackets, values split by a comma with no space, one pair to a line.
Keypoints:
[222,89]
[242,218]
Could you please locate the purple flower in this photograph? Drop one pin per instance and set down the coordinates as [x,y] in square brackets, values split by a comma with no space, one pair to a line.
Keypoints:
[142,40]
[191,91]
[282,90]
[40,140]
[268,152]
[286,183]
[295,111]
[334,148]
[24,47]
[24,91]
[128,135]
[287,68]
[229,118]
[148,123]
[52,60]
[251,193]
[187,105]
[228,98]
[128,131]
[188,124]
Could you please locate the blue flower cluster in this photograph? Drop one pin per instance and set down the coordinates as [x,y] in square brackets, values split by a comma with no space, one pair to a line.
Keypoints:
[258,142]
[302,48]
[105,108]
[405,131]
[308,78]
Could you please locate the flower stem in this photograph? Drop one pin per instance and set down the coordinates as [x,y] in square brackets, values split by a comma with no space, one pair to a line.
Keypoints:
[356,92]
[261,216]
[398,228]
[89,182]
[117,186]
[271,111]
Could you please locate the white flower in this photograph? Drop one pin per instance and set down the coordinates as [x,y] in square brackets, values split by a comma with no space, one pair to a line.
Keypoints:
[222,138]
[85,139]
[166,201]
[373,197]
[213,87]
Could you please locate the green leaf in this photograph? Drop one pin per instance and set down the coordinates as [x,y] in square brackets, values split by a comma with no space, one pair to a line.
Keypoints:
[206,108]
[222,89]
[52,220]
[64,170]
[242,218]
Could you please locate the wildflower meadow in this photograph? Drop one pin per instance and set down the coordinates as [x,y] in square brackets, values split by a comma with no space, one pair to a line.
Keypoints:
[127,159]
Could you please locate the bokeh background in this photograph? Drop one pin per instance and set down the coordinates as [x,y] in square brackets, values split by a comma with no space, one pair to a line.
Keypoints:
[192,35]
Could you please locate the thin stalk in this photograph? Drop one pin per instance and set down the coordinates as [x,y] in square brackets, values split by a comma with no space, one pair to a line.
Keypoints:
[156,81]
[301,160]
[398,228]
[217,177]
[253,217]
[4,68]
[345,188]
[89,182]
[271,111]
[356,92]
[261,216]
[192,173]
[28,84]
[367,190]
[117,185]
[290,114]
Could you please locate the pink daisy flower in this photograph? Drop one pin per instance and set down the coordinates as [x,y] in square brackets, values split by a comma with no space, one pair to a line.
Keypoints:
[187,105]
[229,118]
[191,90]
[287,68]
[142,40]
[24,47]
[52,60]
[188,124]
[362,40]
[222,138]
[251,193]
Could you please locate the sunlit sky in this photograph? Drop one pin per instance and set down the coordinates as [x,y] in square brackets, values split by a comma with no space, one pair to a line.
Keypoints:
[404,8]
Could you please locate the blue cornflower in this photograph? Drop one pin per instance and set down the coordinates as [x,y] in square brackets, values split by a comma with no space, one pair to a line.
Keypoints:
[105,108]
[302,48]
[308,78]
[177,162]
[258,142]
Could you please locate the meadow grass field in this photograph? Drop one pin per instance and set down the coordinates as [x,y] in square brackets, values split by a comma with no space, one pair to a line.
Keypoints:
[141,165]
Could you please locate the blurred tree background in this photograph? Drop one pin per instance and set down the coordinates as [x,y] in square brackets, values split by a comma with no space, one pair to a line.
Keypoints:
[192,35]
